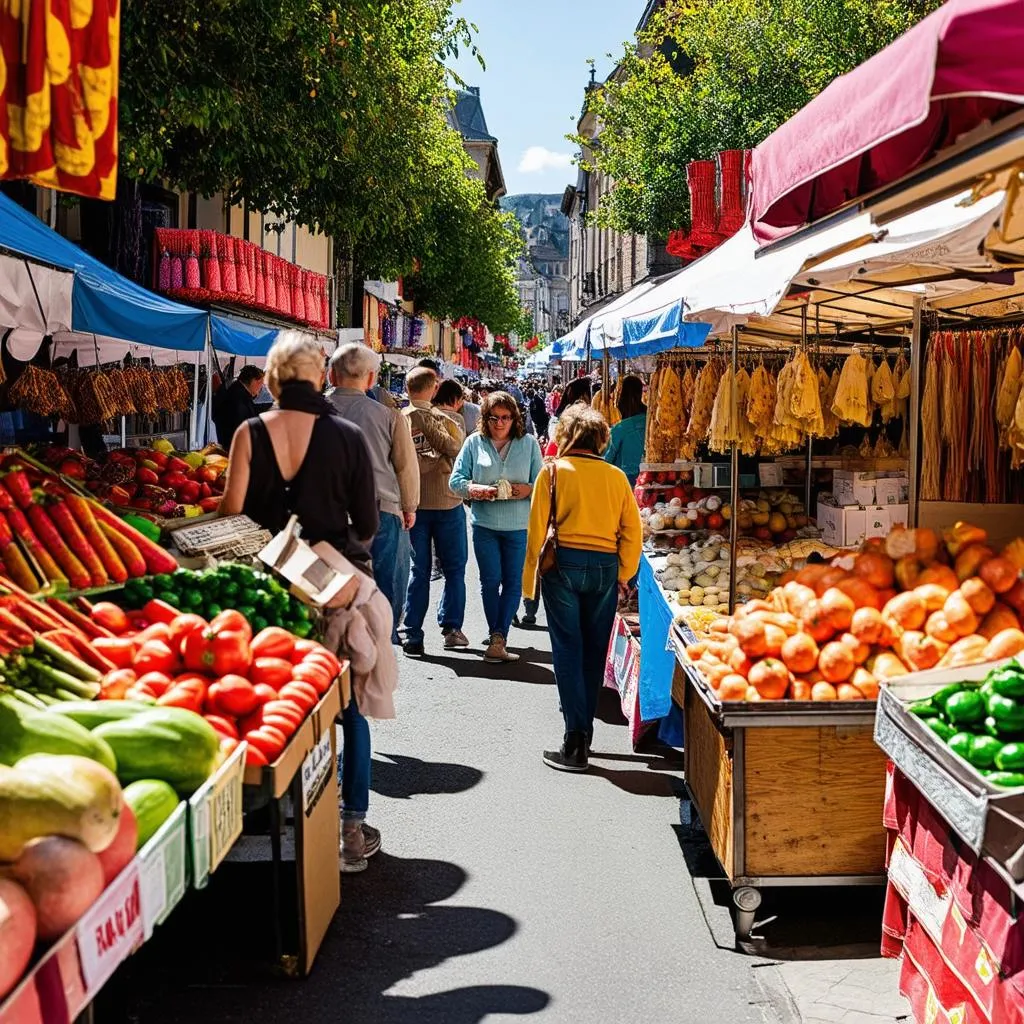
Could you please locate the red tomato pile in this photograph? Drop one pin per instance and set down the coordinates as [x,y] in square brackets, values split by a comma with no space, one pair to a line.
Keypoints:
[254,688]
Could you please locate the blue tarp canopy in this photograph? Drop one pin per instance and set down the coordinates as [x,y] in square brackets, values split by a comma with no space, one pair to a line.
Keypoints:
[236,336]
[645,336]
[102,301]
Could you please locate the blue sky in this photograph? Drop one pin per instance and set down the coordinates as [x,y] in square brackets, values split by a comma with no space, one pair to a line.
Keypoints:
[532,91]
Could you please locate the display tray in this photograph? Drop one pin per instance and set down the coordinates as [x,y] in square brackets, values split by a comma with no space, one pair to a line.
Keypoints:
[989,818]
[767,713]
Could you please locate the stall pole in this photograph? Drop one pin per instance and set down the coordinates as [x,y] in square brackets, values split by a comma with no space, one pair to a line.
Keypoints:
[193,420]
[734,477]
[914,427]
[808,482]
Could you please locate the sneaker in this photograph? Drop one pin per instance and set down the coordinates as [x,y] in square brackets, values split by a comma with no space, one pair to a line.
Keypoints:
[353,847]
[497,652]
[529,620]
[573,755]
[371,840]
[455,638]
[413,648]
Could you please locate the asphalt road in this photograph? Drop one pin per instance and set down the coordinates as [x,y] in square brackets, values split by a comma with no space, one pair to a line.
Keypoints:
[504,890]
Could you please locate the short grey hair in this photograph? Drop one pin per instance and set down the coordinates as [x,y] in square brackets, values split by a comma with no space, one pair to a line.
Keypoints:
[354,360]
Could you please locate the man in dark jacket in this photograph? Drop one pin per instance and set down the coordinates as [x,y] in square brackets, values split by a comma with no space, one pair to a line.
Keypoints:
[235,404]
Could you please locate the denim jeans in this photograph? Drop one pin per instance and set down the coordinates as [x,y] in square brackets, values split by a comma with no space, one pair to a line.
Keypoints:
[445,529]
[500,555]
[580,597]
[354,764]
[391,556]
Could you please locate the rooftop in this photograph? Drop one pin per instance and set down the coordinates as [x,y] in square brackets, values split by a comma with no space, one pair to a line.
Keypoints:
[469,116]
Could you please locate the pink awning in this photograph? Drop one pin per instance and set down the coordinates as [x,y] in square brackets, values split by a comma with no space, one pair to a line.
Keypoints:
[953,71]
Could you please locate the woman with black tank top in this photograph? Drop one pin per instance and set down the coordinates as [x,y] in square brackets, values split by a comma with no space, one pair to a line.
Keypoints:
[303,459]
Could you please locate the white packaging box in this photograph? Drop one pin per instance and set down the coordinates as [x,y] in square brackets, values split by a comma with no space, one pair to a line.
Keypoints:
[853,488]
[887,492]
[842,527]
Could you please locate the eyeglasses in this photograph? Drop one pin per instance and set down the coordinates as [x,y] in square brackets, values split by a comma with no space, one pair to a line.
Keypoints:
[499,419]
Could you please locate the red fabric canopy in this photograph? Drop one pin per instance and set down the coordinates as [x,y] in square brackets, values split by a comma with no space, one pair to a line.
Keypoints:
[959,67]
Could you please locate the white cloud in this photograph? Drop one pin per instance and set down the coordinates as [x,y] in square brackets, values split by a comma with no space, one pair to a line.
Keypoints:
[538,159]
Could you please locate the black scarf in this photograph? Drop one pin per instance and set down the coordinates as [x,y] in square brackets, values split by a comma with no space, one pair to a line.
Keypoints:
[301,396]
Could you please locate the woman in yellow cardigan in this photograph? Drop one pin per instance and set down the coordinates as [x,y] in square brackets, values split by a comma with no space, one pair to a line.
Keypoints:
[599,544]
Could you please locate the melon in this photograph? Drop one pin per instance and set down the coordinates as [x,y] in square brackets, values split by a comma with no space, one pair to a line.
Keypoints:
[62,878]
[117,856]
[17,933]
[777,522]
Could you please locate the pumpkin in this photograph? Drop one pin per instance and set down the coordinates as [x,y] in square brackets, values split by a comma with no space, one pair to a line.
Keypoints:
[839,609]
[770,678]
[816,623]
[999,574]
[999,618]
[866,683]
[823,691]
[847,691]
[800,653]
[920,651]
[836,662]
[733,687]
[1005,644]
[938,627]
[978,594]
[876,569]
[933,595]
[960,615]
[868,626]
[941,575]
[906,611]
[970,560]
[860,651]
[860,592]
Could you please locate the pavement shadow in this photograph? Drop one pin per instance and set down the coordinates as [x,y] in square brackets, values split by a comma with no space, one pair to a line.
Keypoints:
[404,777]
[388,929]
[635,783]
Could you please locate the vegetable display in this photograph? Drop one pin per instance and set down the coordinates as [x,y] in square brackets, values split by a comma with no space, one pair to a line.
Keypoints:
[982,723]
[915,601]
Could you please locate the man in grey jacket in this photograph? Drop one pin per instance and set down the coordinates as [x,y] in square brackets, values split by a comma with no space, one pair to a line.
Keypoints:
[353,372]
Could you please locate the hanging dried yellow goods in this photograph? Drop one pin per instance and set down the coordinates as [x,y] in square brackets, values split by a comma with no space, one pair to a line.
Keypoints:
[667,423]
[1010,383]
[851,401]
[931,437]
[826,393]
[724,432]
[747,439]
[805,401]
[760,404]
[688,385]
[1015,433]
[703,401]
[882,388]
[650,443]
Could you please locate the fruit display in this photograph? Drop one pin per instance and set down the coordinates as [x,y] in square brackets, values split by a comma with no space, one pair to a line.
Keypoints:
[156,480]
[234,686]
[52,536]
[982,722]
[698,576]
[257,595]
[775,515]
[911,602]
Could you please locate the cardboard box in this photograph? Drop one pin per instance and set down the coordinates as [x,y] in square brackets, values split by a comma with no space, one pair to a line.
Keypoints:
[841,527]
[850,488]
[770,474]
[888,491]
[316,574]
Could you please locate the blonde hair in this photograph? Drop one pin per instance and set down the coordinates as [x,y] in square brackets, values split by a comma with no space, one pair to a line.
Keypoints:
[582,426]
[294,356]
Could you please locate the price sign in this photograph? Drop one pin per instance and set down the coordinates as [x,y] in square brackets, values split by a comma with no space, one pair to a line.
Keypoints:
[153,879]
[226,806]
[316,771]
[111,929]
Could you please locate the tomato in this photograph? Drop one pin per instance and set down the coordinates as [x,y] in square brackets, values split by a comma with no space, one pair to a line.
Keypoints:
[268,742]
[265,693]
[251,721]
[233,695]
[217,651]
[225,726]
[155,656]
[180,697]
[140,692]
[158,682]
[275,672]
[255,756]
[234,622]
[119,650]
[286,726]
[325,659]
[181,627]
[160,611]
[304,647]
[315,675]
[157,631]
[286,709]
[192,681]
[109,616]
[320,651]
[302,693]
[114,685]
[273,642]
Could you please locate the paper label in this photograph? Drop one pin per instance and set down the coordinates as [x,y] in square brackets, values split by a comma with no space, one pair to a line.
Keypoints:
[316,770]
[153,879]
[111,929]
[226,807]
[770,474]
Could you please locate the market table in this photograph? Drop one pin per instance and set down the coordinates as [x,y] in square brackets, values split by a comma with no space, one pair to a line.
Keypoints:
[789,792]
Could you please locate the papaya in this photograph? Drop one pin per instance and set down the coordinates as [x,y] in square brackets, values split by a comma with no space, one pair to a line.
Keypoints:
[153,801]
[63,795]
[43,733]
[90,713]
[172,744]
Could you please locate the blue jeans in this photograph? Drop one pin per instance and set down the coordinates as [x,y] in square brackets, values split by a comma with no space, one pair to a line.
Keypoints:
[580,597]
[446,528]
[354,764]
[500,555]
[391,555]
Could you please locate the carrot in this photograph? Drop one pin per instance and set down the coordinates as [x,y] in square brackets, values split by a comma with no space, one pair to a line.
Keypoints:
[19,525]
[18,568]
[17,485]
[83,622]
[70,641]
[82,511]
[157,559]
[77,575]
[126,550]
[37,616]
[75,539]
[21,633]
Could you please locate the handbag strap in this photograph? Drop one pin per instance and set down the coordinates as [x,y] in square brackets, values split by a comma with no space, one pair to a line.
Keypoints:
[553,511]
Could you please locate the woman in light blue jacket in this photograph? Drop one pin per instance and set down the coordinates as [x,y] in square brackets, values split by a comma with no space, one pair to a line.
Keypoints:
[626,449]
[495,471]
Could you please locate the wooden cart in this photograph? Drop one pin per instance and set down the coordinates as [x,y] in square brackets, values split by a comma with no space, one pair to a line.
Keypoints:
[789,792]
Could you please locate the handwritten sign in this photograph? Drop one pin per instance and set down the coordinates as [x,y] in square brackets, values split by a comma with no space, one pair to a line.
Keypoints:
[226,806]
[316,771]
[111,929]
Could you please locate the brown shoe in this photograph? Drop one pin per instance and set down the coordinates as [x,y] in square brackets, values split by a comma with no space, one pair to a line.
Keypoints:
[497,653]
[353,847]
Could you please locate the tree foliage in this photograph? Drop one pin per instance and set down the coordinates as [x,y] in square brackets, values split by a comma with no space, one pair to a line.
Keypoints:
[329,112]
[710,75]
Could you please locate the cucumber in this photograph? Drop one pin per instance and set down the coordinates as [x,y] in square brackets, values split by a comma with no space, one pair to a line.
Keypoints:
[1010,757]
[91,713]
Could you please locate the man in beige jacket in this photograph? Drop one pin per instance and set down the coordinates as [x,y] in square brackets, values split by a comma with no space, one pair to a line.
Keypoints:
[440,519]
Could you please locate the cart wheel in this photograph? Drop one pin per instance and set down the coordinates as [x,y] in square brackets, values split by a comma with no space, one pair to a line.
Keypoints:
[746,900]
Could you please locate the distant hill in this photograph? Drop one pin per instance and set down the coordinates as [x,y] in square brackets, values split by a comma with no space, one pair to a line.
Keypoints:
[541,218]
